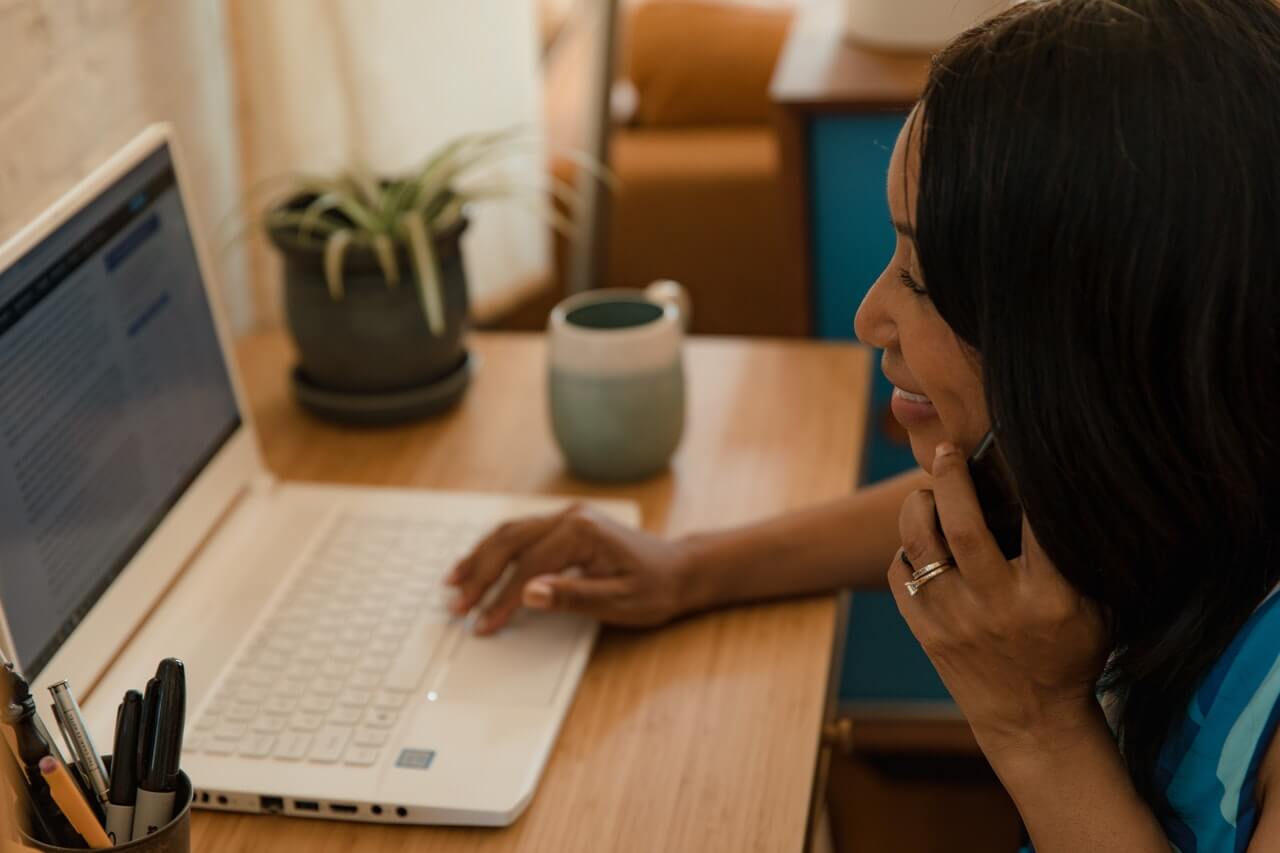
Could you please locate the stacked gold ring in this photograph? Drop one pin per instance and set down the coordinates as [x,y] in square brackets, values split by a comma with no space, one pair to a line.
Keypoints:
[924,574]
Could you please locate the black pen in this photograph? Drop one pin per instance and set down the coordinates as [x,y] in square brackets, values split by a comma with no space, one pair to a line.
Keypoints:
[124,769]
[161,748]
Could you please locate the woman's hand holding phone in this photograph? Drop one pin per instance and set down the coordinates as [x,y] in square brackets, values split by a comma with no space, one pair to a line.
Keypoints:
[1018,647]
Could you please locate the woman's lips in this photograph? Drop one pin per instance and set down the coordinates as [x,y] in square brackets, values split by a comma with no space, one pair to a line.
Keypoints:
[911,409]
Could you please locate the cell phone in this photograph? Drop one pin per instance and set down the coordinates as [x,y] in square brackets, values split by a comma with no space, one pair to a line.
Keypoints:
[996,496]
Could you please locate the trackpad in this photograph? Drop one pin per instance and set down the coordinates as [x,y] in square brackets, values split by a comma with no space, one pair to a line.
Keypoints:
[521,665]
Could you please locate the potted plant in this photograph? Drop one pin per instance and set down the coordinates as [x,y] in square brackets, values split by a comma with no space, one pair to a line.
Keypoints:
[374,283]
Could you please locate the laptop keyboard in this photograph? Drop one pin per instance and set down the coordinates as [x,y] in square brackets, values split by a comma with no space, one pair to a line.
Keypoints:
[345,649]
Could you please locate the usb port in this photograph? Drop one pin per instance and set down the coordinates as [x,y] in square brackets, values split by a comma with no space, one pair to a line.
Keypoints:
[306,805]
[343,808]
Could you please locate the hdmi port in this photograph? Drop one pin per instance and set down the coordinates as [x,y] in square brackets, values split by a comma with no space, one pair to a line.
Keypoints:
[343,808]
[306,805]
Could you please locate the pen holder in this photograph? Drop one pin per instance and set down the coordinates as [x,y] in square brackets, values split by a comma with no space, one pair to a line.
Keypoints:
[173,837]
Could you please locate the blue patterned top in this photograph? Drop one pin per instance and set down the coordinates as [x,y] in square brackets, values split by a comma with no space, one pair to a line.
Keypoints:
[1209,766]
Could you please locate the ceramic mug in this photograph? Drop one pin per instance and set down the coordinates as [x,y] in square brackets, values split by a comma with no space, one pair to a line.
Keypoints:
[616,380]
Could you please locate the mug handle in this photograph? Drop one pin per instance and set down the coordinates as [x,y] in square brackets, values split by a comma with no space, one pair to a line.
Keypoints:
[668,292]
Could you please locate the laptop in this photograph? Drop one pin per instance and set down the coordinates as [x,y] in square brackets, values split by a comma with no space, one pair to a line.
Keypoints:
[137,521]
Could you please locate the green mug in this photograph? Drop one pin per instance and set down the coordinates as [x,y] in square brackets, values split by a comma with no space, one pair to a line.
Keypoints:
[616,380]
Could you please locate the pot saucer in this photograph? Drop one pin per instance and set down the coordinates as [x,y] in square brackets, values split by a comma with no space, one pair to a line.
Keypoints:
[386,407]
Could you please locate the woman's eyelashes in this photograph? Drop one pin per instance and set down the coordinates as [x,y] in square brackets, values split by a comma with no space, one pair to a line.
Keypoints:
[910,283]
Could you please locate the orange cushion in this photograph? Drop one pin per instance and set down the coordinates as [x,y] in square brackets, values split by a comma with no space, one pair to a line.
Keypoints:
[700,63]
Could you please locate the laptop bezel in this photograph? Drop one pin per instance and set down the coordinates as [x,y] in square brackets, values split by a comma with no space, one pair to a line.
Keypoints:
[117,614]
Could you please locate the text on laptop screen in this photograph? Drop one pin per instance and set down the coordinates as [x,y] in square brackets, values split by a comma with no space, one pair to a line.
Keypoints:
[113,396]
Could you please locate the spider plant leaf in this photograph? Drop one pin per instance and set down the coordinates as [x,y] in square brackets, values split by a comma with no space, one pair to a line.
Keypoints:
[395,200]
[290,220]
[468,145]
[318,208]
[367,188]
[450,213]
[386,252]
[335,249]
[346,200]
[462,155]
[557,220]
[427,273]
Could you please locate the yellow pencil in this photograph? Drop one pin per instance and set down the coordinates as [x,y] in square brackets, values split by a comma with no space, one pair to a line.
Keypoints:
[71,801]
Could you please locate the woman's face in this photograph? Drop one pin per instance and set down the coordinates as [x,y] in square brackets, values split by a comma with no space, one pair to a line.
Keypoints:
[937,380]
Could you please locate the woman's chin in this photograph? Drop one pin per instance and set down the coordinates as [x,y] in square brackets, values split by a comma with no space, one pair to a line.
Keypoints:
[923,447]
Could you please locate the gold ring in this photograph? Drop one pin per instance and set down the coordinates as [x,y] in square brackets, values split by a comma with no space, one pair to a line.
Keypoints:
[914,585]
[916,574]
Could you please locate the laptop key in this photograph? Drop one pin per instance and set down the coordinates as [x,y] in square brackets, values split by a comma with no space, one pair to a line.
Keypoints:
[364,680]
[328,744]
[228,730]
[360,756]
[291,687]
[240,712]
[388,700]
[292,746]
[214,746]
[280,705]
[326,686]
[303,722]
[370,737]
[335,669]
[256,745]
[316,704]
[379,719]
[354,698]
[345,716]
[268,725]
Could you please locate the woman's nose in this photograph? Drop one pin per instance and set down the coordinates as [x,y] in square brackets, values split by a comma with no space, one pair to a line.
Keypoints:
[872,324]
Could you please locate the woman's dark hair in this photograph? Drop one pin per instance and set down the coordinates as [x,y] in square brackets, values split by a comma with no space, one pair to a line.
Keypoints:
[1098,215]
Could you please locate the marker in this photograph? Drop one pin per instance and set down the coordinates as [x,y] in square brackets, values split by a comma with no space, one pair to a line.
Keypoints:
[87,758]
[124,769]
[73,804]
[161,748]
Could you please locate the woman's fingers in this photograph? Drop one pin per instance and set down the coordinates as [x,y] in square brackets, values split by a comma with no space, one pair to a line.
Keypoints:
[484,566]
[569,543]
[921,540]
[967,537]
[601,598]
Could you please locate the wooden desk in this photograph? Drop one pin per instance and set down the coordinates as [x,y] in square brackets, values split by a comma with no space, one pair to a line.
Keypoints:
[700,736]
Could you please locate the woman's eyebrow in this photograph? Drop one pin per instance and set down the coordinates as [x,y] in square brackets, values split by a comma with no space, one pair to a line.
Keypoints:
[905,230]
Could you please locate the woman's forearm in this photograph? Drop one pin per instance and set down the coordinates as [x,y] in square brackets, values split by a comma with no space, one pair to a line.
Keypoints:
[845,543]
[1074,793]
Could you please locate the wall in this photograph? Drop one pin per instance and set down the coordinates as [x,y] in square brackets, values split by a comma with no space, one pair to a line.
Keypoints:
[327,84]
[79,78]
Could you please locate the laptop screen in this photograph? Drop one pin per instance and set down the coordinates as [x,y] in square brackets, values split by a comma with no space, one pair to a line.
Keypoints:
[113,396]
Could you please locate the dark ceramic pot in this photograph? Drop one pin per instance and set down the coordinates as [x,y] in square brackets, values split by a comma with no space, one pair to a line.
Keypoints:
[375,339]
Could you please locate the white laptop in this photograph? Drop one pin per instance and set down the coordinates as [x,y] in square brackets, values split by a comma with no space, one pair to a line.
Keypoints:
[137,521]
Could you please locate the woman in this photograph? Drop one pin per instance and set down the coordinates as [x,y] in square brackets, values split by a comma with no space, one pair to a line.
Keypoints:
[1087,203]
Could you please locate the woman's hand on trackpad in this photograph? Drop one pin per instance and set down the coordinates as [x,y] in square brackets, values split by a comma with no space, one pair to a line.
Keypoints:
[625,576]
